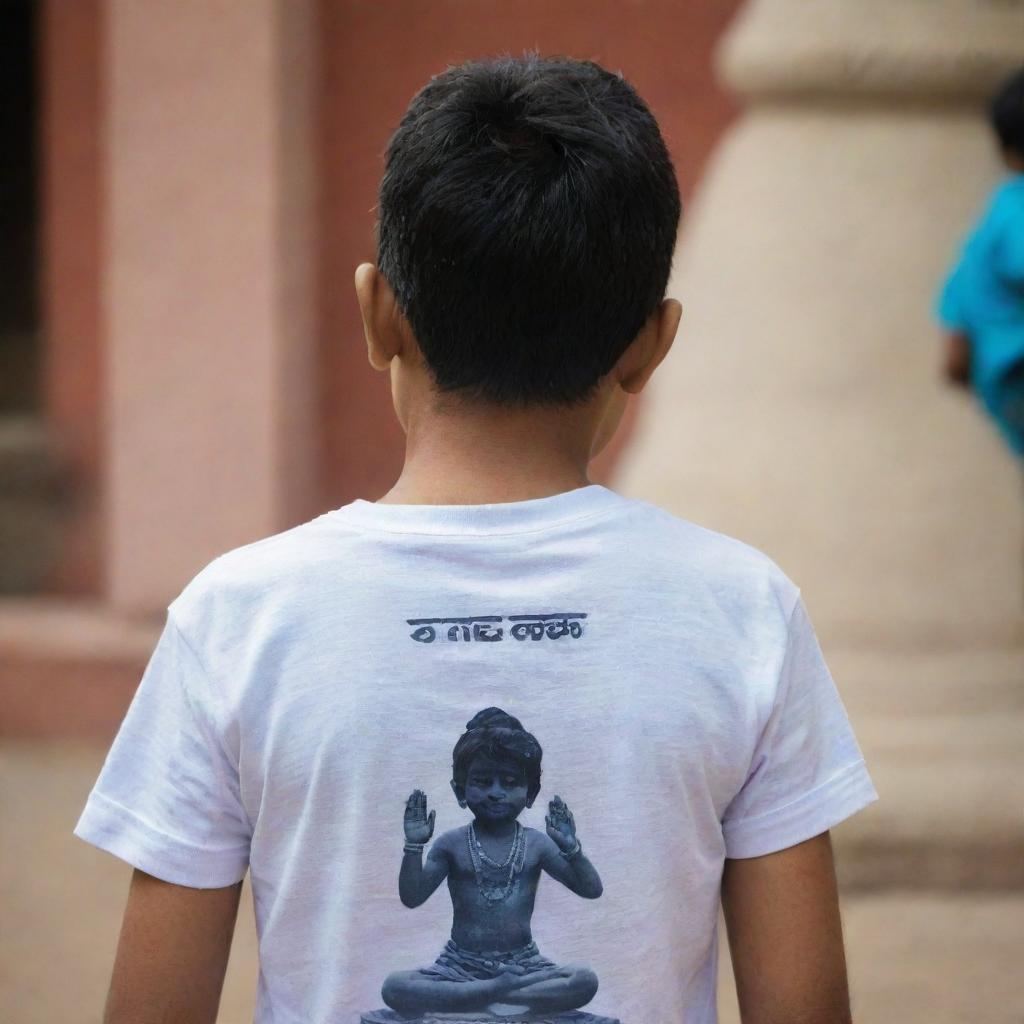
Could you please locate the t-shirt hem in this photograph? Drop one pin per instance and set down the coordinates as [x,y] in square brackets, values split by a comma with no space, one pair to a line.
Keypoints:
[847,792]
[109,826]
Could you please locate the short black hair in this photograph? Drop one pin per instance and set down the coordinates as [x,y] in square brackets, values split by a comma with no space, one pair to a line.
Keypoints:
[1006,111]
[527,219]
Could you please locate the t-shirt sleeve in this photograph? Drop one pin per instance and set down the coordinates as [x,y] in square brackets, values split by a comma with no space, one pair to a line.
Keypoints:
[807,773]
[167,799]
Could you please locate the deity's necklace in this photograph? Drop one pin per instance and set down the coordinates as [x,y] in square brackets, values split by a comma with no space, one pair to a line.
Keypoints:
[514,862]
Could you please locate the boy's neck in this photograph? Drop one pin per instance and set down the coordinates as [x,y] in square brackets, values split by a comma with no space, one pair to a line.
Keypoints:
[491,459]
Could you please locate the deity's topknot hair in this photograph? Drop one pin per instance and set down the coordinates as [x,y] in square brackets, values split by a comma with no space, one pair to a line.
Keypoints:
[500,737]
[526,224]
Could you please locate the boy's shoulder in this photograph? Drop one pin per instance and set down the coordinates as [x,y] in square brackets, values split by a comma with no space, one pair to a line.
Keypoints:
[1012,187]
[709,558]
[235,582]
[693,534]
[1006,201]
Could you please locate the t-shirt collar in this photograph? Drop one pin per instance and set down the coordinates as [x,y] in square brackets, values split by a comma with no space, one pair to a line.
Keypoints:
[501,517]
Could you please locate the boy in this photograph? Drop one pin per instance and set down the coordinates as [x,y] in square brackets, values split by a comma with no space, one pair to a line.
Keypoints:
[527,221]
[982,301]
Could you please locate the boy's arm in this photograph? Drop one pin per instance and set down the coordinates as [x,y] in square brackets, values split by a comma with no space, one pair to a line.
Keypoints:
[785,935]
[172,953]
[956,363]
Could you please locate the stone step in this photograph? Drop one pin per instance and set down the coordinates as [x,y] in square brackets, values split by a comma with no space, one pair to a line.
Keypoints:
[942,731]
[68,668]
[34,503]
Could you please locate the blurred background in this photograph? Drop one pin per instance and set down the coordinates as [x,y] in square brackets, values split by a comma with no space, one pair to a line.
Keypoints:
[187,188]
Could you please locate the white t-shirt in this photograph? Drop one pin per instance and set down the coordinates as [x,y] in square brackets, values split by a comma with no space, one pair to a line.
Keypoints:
[306,685]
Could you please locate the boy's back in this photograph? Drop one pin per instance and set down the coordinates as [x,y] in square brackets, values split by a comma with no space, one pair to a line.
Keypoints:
[305,684]
[593,721]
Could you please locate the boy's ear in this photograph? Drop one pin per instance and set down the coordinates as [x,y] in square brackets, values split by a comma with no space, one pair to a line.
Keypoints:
[382,322]
[650,346]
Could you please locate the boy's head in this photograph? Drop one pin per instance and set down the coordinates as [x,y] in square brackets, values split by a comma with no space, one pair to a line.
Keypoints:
[496,766]
[526,224]
[1006,112]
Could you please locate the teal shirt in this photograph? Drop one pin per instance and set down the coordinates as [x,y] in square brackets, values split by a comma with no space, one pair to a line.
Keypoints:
[984,297]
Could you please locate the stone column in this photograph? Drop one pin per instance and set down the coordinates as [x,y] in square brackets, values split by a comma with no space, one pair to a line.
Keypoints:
[802,409]
[209,368]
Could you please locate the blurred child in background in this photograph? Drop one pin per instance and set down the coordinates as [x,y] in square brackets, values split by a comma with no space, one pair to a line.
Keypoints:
[982,302]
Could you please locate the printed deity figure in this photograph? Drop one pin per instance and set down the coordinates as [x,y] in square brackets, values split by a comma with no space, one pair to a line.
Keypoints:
[491,963]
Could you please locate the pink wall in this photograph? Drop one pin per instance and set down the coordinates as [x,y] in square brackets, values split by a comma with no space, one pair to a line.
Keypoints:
[373,58]
[72,73]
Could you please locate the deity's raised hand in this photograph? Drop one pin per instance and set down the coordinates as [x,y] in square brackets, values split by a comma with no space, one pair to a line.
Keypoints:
[419,826]
[561,826]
